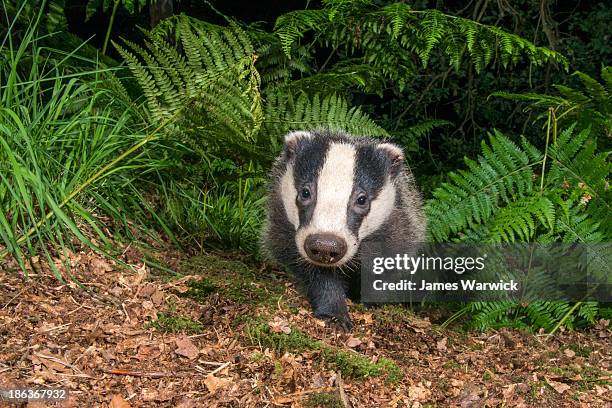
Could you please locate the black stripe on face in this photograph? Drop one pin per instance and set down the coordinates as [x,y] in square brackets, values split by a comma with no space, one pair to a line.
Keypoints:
[309,159]
[371,168]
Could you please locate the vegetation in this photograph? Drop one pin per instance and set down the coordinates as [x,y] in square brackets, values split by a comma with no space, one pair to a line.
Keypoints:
[170,135]
[351,364]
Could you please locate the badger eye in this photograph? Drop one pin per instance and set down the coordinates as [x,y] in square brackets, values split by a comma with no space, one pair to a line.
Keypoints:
[362,199]
[305,193]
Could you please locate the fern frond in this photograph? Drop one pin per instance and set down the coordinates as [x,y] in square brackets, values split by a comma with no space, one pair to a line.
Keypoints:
[390,35]
[285,112]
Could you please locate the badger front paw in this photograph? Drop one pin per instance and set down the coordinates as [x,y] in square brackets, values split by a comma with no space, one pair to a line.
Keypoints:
[338,322]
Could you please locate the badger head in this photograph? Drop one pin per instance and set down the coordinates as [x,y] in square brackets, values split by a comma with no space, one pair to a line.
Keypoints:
[336,191]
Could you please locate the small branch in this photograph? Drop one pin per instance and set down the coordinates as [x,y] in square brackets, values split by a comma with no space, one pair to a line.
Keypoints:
[331,54]
[300,394]
[118,371]
[221,367]
[343,398]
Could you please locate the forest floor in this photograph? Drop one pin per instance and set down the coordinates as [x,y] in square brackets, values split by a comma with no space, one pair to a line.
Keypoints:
[229,332]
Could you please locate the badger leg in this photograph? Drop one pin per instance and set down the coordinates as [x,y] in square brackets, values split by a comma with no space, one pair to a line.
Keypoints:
[325,291]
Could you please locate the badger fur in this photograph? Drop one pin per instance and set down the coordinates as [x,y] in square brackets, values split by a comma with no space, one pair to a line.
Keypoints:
[329,194]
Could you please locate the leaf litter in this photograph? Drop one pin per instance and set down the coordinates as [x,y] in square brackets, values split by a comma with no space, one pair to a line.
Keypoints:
[103,345]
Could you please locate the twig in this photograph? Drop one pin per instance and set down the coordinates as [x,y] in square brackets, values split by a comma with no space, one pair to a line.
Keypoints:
[221,367]
[13,298]
[59,361]
[118,371]
[343,398]
[56,327]
[298,395]
[210,362]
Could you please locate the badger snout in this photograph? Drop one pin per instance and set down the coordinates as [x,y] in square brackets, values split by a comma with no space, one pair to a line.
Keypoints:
[325,249]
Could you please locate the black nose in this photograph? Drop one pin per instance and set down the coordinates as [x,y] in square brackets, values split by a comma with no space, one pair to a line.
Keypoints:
[325,248]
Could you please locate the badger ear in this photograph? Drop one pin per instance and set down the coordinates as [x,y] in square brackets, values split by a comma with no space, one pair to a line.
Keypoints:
[396,157]
[292,140]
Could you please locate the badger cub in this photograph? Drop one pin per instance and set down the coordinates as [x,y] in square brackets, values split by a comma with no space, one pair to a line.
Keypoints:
[329,194]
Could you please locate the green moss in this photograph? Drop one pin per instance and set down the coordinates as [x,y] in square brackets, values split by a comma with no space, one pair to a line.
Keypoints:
[256,357]
[323,400]
[392,314]
[294,342]
[451,364]
[350,364]
[199,289]
[278,369]
[232,279]
[176,324]
[355,365]
[581,351]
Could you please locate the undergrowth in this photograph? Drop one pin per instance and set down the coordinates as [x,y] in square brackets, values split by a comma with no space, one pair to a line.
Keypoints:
[172,143]
[350,364]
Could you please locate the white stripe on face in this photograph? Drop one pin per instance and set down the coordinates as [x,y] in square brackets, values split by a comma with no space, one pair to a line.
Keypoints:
[288,192]
[380,210]
[334,188]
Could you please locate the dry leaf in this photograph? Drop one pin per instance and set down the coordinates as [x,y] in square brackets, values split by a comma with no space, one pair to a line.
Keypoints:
[418,392]
[214,383]
[186,348]
[441,344]
[557,386]
[570,353]
[279,325]
[353,342]
[119,402]
[420,325]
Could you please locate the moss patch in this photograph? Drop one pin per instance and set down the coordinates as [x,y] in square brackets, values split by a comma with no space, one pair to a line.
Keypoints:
[232,279]
[176,324]
[294,342]
[355,365]
[199,289]
[350,364]
[323,400]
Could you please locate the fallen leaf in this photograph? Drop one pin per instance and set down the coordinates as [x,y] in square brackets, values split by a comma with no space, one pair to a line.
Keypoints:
[317,381]
[420,325]
[557,386]
[441,344]
[158,297]
[279,325]
[570,353]
[186,348]
[418,392]
[353,342]
[119,402]
[214,383]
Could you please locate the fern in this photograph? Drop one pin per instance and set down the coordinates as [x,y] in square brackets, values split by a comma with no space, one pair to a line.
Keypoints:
[497,201]
[132,6]
[203,77]
[389,36]
[590,106]
[284,113]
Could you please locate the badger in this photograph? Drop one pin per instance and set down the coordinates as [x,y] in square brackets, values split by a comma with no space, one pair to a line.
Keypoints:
[329,194]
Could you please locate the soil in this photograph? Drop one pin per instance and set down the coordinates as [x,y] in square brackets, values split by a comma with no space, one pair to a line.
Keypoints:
[229,332]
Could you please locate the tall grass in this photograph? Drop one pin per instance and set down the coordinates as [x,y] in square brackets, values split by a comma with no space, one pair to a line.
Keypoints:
[80,164]
[68,154]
